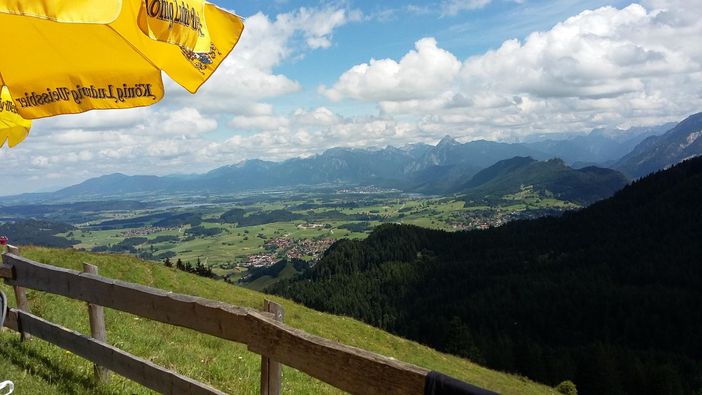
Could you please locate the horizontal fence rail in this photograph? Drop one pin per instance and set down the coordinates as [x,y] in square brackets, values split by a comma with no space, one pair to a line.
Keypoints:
[202,315]
[134,368]
[348,368]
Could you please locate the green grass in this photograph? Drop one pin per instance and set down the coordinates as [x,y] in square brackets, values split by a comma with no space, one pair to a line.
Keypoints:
[37,367]
[527,198]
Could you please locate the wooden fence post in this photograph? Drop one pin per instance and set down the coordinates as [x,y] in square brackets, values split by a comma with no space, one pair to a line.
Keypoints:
[97,327]
[271,371]
[20,296]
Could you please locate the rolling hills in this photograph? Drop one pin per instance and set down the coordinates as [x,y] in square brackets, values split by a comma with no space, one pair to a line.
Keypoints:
[549,178]
[38,367]
[607,296]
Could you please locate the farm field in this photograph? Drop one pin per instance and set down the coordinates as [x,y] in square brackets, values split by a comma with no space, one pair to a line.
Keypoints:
[233,235]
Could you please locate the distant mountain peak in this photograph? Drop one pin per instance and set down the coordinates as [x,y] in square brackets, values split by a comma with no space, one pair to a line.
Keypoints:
[520,160]
[447,140]
[557,161]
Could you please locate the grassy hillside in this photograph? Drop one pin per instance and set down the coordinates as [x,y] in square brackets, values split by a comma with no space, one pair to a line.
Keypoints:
[38,367]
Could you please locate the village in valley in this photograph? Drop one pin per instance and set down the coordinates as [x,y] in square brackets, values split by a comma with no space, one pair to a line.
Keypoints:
[286,247]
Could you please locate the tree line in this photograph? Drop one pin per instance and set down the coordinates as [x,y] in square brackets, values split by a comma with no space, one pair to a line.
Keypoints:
[199,268]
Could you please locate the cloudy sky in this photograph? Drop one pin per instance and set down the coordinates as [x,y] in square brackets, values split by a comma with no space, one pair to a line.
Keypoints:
[310,75]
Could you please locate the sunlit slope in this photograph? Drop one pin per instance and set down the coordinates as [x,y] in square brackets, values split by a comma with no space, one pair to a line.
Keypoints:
[38,367]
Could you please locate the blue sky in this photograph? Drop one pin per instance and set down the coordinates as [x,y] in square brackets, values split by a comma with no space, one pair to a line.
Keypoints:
[311,75]
[390,28]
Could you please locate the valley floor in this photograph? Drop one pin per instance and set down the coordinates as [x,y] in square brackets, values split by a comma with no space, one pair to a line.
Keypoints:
[286,226]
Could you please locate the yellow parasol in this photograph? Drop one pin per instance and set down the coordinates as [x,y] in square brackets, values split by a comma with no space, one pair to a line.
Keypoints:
[13,128]
[72,56]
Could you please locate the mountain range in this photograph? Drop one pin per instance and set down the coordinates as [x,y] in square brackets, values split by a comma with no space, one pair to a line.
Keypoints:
[601,146]
[447,167]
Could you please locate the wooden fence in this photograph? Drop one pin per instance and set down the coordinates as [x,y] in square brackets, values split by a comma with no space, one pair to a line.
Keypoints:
[347,368]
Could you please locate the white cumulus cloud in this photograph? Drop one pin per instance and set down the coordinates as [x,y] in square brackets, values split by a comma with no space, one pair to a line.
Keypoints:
[422,73]
[641,64]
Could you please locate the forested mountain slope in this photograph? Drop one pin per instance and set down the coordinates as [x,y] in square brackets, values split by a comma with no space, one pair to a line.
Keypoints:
[607,296]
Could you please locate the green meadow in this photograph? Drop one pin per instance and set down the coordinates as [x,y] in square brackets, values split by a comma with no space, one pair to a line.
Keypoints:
[38,367]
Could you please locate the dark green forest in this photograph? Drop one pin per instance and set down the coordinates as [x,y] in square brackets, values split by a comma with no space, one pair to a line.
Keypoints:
[608,296]
[34,232]
[237,216]
[275,269]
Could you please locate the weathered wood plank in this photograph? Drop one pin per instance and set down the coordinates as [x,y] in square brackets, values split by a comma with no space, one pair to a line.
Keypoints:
[6,271]
[132,367]
[350,369]
[20,292]
[22,304]
[11,320]
[96,314]
[206,316]
[271,371]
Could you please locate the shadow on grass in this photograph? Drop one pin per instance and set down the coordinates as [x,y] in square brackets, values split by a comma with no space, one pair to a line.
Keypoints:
[41,366]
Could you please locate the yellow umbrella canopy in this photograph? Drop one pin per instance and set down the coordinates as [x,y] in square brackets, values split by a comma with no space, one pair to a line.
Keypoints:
[13,128]
[70,56]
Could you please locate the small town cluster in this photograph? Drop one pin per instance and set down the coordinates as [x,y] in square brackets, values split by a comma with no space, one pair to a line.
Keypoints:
[286,247]
[492,218]
[146,231]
